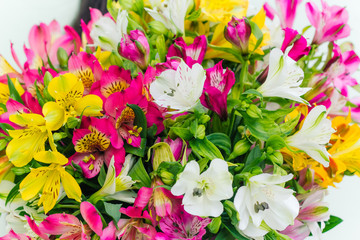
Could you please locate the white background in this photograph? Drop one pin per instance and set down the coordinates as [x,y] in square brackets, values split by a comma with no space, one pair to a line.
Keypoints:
[17,17]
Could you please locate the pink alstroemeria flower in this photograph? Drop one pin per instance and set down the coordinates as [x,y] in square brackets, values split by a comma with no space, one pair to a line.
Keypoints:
[330,23]
[182,225]
[340,68]
[93,148]
[87,68]
[135,228]
[216,88]
[191,54]
[14,236]
[286,10]
[95,15]
[312,211]
[45,41]
[299,44]
[135,47]
[66,225]
[93,219]
[238,32]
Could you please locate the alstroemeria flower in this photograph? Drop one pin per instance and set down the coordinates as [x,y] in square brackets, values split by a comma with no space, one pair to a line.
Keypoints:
[238,32]
[182,225]
[171,13]
[181,89]
[217,86]
[116,187]
[66,225]
[313,135]
[47,180]
[194,53]
[284,78]
[203,192]
[67,90]
[287,11]
[299,44]
[93,148]
[107,34]
[36,130]
[14,236]
[263,200]
[330,23]
[135,47]
[86,67]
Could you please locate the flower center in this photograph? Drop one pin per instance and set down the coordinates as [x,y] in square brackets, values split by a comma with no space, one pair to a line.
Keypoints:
[197,192]
[114,86]
[86,76]
[92,142]
[127,116]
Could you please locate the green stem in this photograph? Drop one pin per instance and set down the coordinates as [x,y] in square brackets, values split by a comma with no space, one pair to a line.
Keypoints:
[66,206]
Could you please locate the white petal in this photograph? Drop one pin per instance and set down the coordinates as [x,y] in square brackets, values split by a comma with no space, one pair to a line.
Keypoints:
[205,207]
[270,179]
[187,179]
[240,206]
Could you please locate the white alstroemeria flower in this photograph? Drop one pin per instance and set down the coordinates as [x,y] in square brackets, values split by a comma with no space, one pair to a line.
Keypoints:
[313,135]
[117,188]
[284,78]
[263,201]
[203,192]
[171,13]
[107,34]
[180,89]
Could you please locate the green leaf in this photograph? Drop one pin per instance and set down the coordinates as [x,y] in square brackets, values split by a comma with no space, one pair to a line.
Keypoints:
[13,92]
[110,5]
[194,15]
[38,95]
[232,212]
[183,133]
[138,173]
[331,223]
[3,144]
[274,235]
[138,151]
[140,119]
[5,127]
[205,148]
[13,193]
[102,176]
[113,210]
[254,92]
[253,159]
[203,163]
[224,234]
[221,140]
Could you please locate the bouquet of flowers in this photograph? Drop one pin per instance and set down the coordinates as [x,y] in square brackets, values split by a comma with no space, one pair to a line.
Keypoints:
[179,119]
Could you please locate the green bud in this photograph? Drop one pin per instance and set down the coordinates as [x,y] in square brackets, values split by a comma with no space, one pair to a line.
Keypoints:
[166,177]
[59,136]
[269,150]
[47,78]
[215,224]
[62,57]
[20,170]
[161,47]
[72,122]
[161,153]
[253,111]
[240,148]
[204,119]
[47,95]
[276,157]
[115,59]
[158,28]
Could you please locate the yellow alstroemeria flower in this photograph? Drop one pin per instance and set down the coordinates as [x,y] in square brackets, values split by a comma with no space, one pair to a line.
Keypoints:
[36,130]
[67,90]
[221,11]
[47,180]
[219,40]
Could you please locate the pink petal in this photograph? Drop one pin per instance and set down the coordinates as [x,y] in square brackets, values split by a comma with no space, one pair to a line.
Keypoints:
[92,217]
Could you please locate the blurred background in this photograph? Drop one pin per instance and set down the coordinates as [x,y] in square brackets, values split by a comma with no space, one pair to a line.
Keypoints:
[17,17]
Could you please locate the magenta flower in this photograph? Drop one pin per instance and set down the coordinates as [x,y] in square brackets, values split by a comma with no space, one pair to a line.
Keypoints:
[287,11]
[330,23]
[66,225]
[216,88]
[238,32]
[299,44]
[93,148]
[194,53]
[135,47]
[182,225]
[340,68]
[87,68]
[14,236]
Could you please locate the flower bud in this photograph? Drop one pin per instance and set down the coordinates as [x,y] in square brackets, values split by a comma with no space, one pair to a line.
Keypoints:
[253,111]
[62,57]
[161,153]
[276,157]
[167,177]
[240,148]
[158,28]
[238,32]
[135,47]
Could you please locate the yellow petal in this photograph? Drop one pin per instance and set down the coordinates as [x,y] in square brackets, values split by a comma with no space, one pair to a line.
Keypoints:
[54,115]
[71,187]
[33,183]
[50,157]
[5,67]
[27,119]
[51,190]
[90,105]
[60,86]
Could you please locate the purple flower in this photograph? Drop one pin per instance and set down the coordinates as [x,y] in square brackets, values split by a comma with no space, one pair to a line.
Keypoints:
[238,32]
